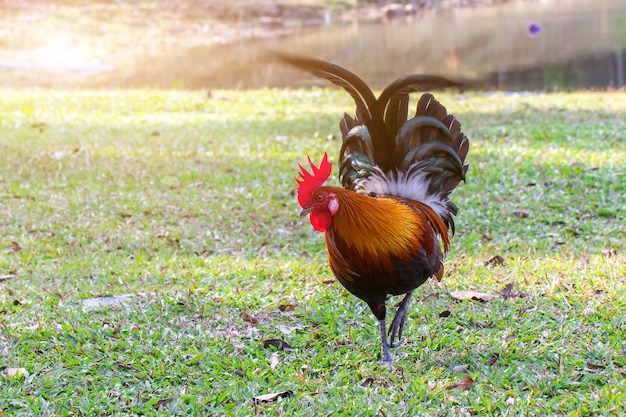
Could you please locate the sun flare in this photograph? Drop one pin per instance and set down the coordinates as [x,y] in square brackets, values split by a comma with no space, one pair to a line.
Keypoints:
[61,52]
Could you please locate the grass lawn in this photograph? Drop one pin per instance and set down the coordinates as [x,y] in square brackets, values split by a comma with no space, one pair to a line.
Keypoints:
[182,208]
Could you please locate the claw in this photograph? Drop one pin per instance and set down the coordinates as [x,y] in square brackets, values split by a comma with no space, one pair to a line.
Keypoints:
[397,343]
[397,325]
[396,328]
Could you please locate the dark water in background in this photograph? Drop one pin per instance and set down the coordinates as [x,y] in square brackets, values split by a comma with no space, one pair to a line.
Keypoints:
[582,44]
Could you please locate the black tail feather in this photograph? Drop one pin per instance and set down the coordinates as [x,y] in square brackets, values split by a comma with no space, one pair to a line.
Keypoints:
[381,139]
[367,110]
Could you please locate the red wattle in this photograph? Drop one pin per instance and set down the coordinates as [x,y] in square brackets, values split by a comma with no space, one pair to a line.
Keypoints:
[320,220]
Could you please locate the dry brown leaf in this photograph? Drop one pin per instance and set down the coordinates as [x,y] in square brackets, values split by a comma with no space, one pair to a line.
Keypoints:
[15,247]
[268,398]
[276,343]
[249,318]
[163,402]
[472,295]
[492,359]
[122,365]
[507,290]
[431,296]
[594,367]
[463,385]
[367,382]
[287,306]
[495,261]
[521,213]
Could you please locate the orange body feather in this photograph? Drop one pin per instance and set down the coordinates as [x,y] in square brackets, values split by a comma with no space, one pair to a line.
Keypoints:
[374,241]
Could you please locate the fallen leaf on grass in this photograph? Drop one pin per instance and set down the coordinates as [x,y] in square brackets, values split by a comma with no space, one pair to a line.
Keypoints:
[249,318]
[472,295]
[287,306]
[492,359]
[276,343]
[367,382]
[594,367]
[15,247]
[521,213]
[108,300]
[284,329]
[589,311]
[123,365]
[462,385]
[445,313]
[274,360]
[459,369]
[7,277]
[431,296]
[495,261]
[507,292]
[269,398]
[163,402]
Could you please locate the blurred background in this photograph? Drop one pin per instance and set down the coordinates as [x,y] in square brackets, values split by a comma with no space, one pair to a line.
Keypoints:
[206,44]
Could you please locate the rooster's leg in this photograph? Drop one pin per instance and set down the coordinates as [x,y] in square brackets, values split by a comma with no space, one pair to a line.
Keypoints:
[380,311]
[397,325]
[384,342]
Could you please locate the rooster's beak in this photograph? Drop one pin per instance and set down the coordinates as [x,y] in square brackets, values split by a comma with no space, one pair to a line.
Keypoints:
[306,211]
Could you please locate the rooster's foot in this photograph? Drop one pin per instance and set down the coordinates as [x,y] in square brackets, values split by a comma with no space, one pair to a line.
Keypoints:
[397,325]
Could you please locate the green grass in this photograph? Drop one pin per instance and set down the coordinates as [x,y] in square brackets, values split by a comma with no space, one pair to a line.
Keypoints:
[186,204]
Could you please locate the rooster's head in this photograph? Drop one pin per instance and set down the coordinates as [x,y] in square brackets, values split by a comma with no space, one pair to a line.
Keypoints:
[320,204]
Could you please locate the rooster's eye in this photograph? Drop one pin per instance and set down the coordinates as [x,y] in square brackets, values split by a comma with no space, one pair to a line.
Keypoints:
[320,198]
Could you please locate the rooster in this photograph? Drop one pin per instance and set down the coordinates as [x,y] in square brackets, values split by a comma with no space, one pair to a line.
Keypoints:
[387,230]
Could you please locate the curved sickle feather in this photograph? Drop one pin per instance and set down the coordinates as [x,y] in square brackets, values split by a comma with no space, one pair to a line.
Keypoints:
[419,122]
[393,100]
[412,84]
[367,108]
[355,86]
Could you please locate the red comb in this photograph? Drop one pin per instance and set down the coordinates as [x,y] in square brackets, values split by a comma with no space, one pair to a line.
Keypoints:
[308,182]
